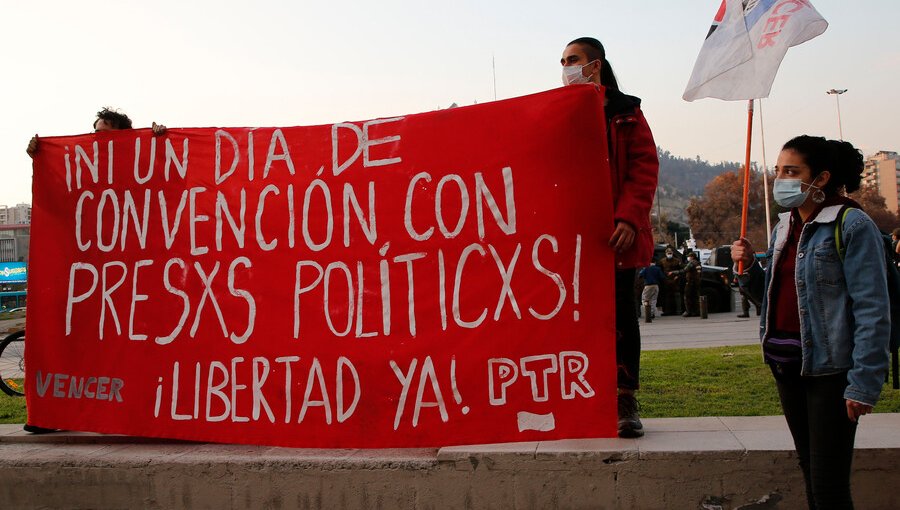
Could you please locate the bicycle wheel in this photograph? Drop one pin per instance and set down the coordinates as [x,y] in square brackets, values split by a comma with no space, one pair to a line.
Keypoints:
[12,364]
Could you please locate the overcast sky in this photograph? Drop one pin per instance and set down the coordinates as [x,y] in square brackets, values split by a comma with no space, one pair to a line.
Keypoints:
[289,63]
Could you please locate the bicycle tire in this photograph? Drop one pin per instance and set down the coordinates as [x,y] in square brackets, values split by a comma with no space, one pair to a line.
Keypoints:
[12,364]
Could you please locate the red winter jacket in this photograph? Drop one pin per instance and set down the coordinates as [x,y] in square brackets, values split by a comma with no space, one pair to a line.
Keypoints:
[634,167]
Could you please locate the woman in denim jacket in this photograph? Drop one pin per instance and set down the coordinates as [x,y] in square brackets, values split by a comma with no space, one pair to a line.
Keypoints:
[825,323]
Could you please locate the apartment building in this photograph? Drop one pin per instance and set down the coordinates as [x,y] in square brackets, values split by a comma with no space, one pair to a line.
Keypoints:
[883,172]
[19,214]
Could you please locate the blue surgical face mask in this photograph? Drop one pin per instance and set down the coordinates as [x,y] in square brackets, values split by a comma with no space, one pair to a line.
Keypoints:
[787,192]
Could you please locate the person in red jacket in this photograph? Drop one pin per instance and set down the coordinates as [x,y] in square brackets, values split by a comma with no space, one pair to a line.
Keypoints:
[634,166]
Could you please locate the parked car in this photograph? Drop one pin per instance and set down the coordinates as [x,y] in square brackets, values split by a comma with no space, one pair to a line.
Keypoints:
[721,256]
[715,284]
[704,255]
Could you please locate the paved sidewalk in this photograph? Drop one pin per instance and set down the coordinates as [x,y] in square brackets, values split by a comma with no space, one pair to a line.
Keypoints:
[10,325]
[677,332]
[706,433]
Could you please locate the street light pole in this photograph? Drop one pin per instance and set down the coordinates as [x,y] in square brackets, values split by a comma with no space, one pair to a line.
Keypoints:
[837,96]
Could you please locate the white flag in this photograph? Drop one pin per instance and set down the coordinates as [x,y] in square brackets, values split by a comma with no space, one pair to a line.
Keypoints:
[745,46]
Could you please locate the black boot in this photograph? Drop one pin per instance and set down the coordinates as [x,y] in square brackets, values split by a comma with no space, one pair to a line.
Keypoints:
[630,425]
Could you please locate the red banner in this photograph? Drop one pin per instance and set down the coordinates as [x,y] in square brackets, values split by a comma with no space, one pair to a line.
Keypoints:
[432,279]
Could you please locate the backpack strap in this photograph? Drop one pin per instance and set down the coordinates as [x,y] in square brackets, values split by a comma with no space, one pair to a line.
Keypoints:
[839,234]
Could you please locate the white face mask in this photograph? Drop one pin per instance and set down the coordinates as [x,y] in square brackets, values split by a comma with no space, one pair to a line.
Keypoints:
[572,75]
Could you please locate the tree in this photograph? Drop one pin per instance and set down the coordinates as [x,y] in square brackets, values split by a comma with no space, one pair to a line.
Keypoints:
[873,203]
[715,218]
[687,175]
[672,230]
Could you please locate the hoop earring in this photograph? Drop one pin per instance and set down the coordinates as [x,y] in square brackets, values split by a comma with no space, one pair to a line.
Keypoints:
[818,196]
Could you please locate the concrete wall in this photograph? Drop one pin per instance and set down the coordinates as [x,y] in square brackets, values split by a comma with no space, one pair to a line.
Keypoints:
[667,472]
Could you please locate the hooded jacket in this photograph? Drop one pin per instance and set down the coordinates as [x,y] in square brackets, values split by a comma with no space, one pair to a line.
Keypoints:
[634,168]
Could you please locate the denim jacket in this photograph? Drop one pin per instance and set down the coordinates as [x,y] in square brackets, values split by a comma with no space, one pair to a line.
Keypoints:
[844,307]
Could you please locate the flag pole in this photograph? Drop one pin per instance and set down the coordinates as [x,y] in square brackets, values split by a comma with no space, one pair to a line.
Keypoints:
[746,203]
[762,143]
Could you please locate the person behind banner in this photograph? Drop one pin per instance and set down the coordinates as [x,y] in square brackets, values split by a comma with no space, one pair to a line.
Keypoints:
[634,167]
[107,120]
[825,323]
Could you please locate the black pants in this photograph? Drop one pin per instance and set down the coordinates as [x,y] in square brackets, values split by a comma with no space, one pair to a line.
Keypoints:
[816,413]
[692,298]
[669,296]
[628,334]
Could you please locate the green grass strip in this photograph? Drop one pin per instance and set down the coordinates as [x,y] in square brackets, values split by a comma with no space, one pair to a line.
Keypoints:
[718,381]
